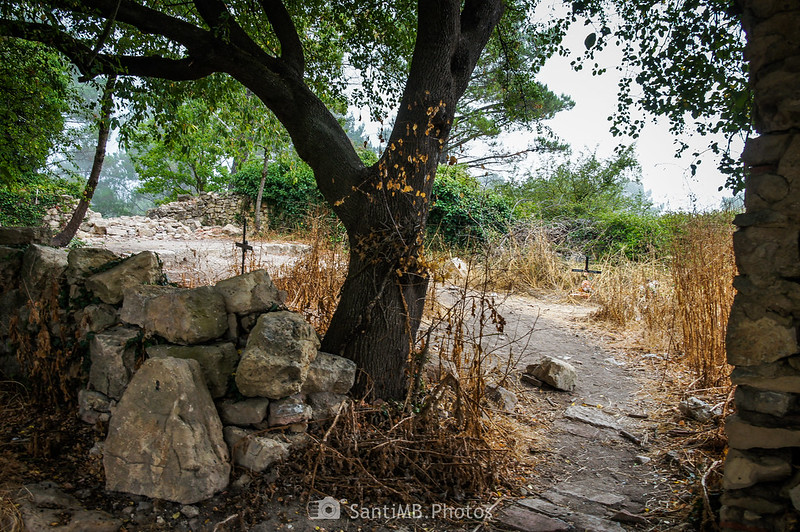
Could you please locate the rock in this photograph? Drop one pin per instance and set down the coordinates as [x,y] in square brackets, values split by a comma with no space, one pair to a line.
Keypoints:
[744,469]
[557,373]
[455,269]
[527,520]
[243,413]
[251,292]
[190,511]
[10,265]
[750,342]
[531,380]
[49,495]
[110,285]
[325,405]
[505,399]
[591,416]
[218,362]
[82,262]
[254,452]
[276,361]
[743,435]
[642,460]
[113,360]
[95,318]
[289,411]
[187,316]
[763,401]
[781,376]
[135,299]
[93,406]
[579,520]
[330,373]
[18,236]
[165,438]
[231,230]
[41,267]
[696,409]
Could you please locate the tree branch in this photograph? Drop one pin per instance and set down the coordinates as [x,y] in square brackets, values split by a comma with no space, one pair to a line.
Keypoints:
[83,57]
[291,47]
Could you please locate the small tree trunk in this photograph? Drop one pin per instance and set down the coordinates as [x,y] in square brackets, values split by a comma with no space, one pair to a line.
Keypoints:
[68,233]
[257,214]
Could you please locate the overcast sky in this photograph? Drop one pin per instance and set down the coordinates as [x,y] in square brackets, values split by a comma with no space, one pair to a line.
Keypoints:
[586,127]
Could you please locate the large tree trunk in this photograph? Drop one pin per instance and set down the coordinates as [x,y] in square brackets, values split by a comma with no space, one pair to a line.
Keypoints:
[68,233]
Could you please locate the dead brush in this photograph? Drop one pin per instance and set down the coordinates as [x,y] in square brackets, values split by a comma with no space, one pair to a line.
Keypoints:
[313,283]
[444,442]
[637,294]
[703,269]
[527,259]
[10,517]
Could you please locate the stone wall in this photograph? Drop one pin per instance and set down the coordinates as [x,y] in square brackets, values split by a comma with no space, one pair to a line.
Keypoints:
[187,382]
[208,208]
[762,469]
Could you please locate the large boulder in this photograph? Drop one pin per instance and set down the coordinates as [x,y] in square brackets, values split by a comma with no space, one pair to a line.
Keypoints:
[109,286]
[82,262]
[277,357]
[251,292]
[42,266]
[165,437]
[187,316]
[217,361]
[113,358]
[330,373]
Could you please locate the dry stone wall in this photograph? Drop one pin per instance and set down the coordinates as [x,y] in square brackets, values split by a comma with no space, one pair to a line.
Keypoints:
[189,382]
[207,208]
[762,469]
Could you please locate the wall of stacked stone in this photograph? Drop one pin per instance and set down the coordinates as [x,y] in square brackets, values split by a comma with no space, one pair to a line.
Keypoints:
[187,381]
[208,208]
[762,469]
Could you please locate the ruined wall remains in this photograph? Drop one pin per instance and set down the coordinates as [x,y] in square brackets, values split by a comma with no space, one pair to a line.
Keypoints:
[208,208]
[762,469]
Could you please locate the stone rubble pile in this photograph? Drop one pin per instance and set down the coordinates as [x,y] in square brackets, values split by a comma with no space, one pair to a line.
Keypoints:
[189,381]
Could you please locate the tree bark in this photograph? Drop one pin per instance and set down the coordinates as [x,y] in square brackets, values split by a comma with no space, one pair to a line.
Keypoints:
[68,233]
[260,195]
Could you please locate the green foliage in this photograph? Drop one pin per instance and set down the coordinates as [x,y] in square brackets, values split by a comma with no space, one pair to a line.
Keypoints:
[462,210]
[25,203]
[290,191]
[182,155]
[632,234]
[35,85]
[586,187]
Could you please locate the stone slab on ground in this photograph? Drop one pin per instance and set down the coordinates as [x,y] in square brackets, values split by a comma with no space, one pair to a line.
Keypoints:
[606,498]
[591,416]
[580,520]
[527,520]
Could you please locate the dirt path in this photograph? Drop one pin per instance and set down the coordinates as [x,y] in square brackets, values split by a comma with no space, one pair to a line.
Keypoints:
[595,473]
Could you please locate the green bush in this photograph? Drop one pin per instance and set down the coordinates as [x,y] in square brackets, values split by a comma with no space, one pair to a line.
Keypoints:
[290,190]
[26,203]
[462,210]
[632,234]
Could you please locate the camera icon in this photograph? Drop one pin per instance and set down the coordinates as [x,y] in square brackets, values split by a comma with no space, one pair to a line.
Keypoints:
[327,508]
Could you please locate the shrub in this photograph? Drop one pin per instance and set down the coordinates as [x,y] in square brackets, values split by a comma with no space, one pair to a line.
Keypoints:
[290,190]
[26,203]
[462,210]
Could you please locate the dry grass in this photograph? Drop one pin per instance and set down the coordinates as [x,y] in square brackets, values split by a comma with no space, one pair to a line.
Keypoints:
[703,268]
[526,259]
[10,518]
[313,283]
